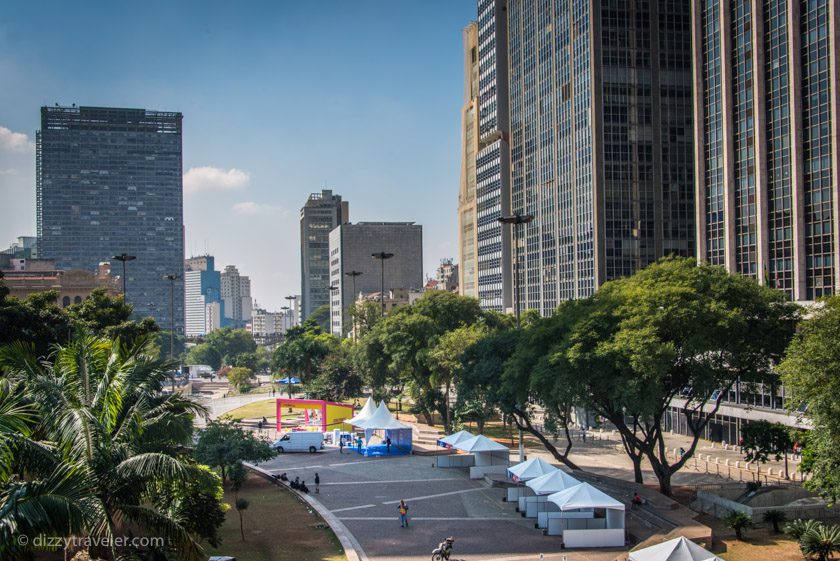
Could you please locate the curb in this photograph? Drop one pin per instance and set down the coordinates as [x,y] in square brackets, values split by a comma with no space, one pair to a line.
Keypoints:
[352,549]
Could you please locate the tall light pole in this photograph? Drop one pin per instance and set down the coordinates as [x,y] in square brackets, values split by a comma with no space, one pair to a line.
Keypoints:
[172,278]
[353,274]
[382,256]
[292,307]
[124,257]
[516,220]
[285,310]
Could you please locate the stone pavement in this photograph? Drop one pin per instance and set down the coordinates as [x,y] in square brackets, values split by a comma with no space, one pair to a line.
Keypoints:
[363,494]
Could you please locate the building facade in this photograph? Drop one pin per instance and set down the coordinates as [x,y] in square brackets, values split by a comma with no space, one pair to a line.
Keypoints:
[601,142]
[467,240]
[492,166]
[202,291]
[766,77]
[350,249]
[319,216]
[108,182]
[236,296]
[23,277]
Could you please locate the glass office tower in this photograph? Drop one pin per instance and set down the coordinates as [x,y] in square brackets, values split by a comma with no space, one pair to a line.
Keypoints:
[766,76]
[109,181]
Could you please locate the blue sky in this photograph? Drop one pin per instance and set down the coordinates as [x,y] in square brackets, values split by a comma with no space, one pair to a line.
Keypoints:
[280,99]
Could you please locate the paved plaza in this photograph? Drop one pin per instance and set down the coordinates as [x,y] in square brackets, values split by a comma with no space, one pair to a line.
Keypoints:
[363,493]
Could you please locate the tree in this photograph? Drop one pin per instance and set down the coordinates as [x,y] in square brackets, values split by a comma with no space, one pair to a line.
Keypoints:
[774,517]
[763,440]
[204,353]
[223,444]
[302,351]
[230,343]
[337,379]
[320,317]
[675,330]
[36,319]
[240,378]
[364,315]
[738,521]
[241,506]
[111,441]
[811,374]
[820,540]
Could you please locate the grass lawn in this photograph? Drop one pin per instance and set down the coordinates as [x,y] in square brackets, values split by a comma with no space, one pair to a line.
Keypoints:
[277,526]
[257,410]
[759,544]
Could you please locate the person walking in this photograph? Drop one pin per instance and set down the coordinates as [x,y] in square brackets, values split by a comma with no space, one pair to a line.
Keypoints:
[403,510]
[359,444]
[388,445]
[317,483]
[341,444]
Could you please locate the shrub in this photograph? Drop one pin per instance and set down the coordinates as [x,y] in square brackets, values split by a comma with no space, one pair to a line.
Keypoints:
[774,517]
[738,521]
[796,529]
[821,541]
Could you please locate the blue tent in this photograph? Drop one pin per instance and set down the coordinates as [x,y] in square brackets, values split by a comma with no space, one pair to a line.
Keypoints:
[286,380]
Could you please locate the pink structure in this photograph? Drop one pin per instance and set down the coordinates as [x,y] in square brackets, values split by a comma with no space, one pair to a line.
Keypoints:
[332,416]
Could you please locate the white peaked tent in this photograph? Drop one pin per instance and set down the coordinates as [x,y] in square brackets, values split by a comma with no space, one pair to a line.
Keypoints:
[454,438]
[551,483]
[679,549]
[530,469]
[382,419]
[588,517]
[490,456]
[364,413]
[540,488]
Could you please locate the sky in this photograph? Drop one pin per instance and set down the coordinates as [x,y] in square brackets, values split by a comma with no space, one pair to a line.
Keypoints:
[280,99]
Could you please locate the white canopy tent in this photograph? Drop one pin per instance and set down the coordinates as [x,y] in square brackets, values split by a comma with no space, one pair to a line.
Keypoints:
[382,419]
[490,456]
[364,413]
[525,471]
[536,505]
[588,517]
[679,549]
[454,438]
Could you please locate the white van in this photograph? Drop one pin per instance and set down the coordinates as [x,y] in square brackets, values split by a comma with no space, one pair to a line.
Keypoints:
[300,441]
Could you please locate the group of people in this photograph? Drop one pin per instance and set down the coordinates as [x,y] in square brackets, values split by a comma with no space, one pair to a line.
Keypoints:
[299,485]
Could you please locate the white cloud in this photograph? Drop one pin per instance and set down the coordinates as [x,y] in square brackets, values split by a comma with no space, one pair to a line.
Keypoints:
[250,208]
[209,178]
[15,141]
[10,171]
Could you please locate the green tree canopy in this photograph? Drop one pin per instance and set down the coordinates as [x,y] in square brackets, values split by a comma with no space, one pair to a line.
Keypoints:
[811,373]
[224,444]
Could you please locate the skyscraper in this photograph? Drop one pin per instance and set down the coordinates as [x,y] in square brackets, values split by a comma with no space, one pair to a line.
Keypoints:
[767,108]
[492,166]
[600,140]
[109,181]
[202,296]
[320,214]
[350,249]
[236,295]
[468,281]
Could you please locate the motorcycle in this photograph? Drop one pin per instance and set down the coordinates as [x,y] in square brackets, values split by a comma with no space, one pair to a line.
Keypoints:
[443,550]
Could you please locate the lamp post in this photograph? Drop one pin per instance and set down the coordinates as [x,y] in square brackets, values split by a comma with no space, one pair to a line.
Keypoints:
[124,257]
[382,256]
[353,274]
[172,278]
[292,308]
[516,220]
[285,310]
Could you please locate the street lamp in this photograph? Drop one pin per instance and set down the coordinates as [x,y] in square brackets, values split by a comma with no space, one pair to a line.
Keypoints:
[292,308]
[353,274]
[382,256]
[516,220]
[172,278]
[124,257]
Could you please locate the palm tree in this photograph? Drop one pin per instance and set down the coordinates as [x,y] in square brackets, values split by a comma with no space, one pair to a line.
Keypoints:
[99,403]
[774,517]
[738,521]
[821,541]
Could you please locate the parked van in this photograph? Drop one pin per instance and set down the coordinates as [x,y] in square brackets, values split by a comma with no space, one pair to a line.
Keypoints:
[299,442]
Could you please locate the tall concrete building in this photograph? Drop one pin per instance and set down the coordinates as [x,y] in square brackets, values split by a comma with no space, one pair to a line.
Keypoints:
[601,142]
[493,158]
[467,239]
[766,77]
[236,295]
[321,213]
[108,182]
[202,296]
[350,249]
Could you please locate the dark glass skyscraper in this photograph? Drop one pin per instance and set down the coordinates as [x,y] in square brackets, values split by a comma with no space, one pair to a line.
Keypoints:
[109,181]
[601,142]
[766,77]
[321,213]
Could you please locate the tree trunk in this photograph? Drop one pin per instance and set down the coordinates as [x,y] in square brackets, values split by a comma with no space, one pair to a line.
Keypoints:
[447,428]
[241,527]
[637,469]
[429,420]
[525,425]
[480,425]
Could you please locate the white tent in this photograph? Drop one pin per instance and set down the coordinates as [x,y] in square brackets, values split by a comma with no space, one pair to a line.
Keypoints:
[679,549]
[551,483]
[454,438]
[490,456]
[398,433]
[480,443]
[587,518]
[364,413]
[530,469]
[380,419]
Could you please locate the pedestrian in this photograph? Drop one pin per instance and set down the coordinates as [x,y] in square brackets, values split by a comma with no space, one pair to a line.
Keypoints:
[341,444]
[359,444]
[583,434]
[317,483]
[403,509]
[388,445]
